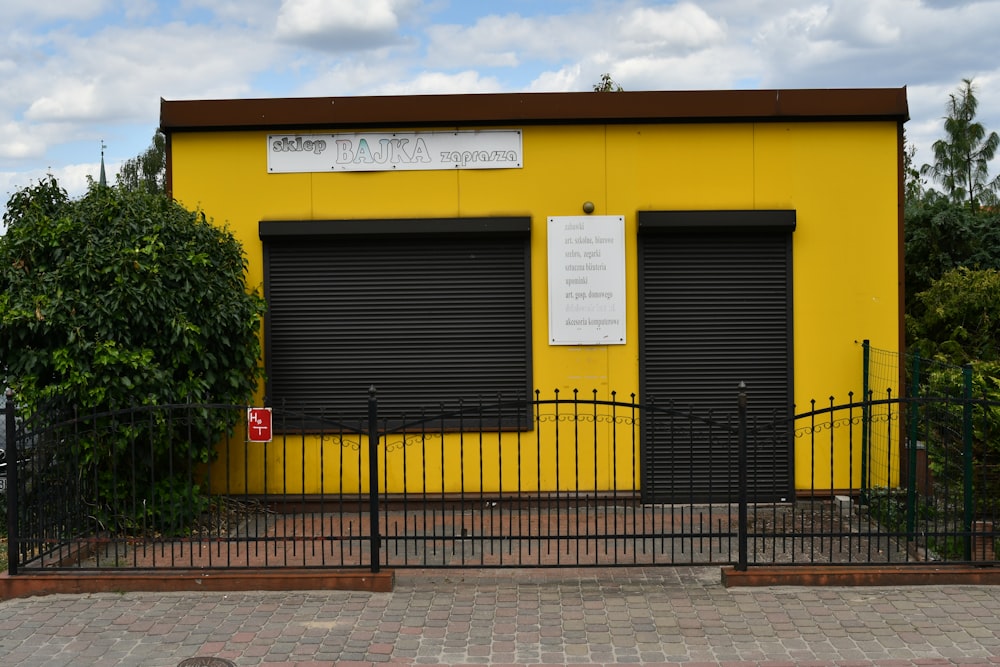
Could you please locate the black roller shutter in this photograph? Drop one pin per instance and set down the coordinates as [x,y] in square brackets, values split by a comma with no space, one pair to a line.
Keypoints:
[428,312]
[715,310]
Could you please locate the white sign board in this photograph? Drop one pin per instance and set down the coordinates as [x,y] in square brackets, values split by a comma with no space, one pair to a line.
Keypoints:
[587,280]
[394,151]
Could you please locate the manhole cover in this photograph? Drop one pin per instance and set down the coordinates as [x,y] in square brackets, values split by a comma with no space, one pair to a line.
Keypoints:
[206,662]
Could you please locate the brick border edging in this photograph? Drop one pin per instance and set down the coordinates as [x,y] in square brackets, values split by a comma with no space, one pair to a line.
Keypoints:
[284,579]
[884,575]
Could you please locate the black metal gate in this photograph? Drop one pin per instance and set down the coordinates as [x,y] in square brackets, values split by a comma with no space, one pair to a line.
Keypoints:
[525,482]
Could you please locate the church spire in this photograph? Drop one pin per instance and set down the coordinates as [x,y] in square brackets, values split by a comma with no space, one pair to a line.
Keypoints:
[103,180]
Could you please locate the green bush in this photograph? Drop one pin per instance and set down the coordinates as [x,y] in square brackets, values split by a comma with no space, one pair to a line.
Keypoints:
[957,329]
[124,298]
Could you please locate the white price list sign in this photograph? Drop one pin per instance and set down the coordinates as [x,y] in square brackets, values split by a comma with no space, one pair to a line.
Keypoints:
[586,280]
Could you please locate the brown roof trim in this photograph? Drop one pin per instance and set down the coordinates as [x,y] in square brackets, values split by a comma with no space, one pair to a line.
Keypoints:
[535,108]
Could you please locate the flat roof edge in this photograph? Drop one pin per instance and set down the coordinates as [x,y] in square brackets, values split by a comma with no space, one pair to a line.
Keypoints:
[536,108]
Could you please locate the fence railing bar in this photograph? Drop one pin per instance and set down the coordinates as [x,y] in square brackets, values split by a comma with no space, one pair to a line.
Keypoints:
[571,500]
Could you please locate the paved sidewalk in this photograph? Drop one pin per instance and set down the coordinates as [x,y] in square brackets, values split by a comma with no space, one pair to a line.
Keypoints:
[648,616]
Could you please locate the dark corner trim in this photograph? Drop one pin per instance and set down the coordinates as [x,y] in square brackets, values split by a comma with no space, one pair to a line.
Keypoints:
[763,221]
[289,229]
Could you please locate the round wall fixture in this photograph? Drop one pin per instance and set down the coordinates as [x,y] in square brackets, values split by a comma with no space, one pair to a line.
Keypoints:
[588,207]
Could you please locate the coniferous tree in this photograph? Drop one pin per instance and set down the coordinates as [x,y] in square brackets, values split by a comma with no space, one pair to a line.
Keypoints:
[961,159]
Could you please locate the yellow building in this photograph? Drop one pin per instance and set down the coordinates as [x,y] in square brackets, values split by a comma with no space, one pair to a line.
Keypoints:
[664,244]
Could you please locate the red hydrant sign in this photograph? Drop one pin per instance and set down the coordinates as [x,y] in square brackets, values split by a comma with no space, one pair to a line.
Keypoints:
[259,424]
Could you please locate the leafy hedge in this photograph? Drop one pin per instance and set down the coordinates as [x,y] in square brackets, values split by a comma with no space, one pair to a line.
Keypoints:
[125,298]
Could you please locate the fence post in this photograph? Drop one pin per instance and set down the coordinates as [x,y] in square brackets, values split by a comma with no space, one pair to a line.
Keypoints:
[911,449]
[373,508]
[969,499]
[742,537]
[12,485]
[866,413]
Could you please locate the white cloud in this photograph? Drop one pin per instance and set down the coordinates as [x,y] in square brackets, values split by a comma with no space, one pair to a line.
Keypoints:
[349,76]
[841,43]
[567,79]
[16,142]
[67,97]
[509,41]
[703,70]
[138,10]
[488,43]
[864,22]
[32,12]
[435,83]
[81,86]
[75,73]
[256,14]
[643,46]
[344,25]
[72,101]
[676,29]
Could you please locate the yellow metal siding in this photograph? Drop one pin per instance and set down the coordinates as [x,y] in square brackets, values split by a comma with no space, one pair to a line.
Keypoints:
[840,177]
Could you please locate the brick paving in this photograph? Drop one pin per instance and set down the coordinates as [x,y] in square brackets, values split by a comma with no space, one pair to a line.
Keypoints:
[512,618]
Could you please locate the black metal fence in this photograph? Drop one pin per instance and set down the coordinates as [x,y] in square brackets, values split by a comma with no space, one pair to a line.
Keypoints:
[531,482]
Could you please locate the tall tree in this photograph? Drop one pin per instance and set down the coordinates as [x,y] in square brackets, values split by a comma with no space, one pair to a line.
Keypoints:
[607,85]
[961,160]
[913,183]
[147,170]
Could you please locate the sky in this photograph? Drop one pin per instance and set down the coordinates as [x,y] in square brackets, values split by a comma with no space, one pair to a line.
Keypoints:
[80,76]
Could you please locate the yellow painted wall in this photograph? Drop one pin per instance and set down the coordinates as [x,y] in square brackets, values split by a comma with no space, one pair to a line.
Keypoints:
[840,178]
